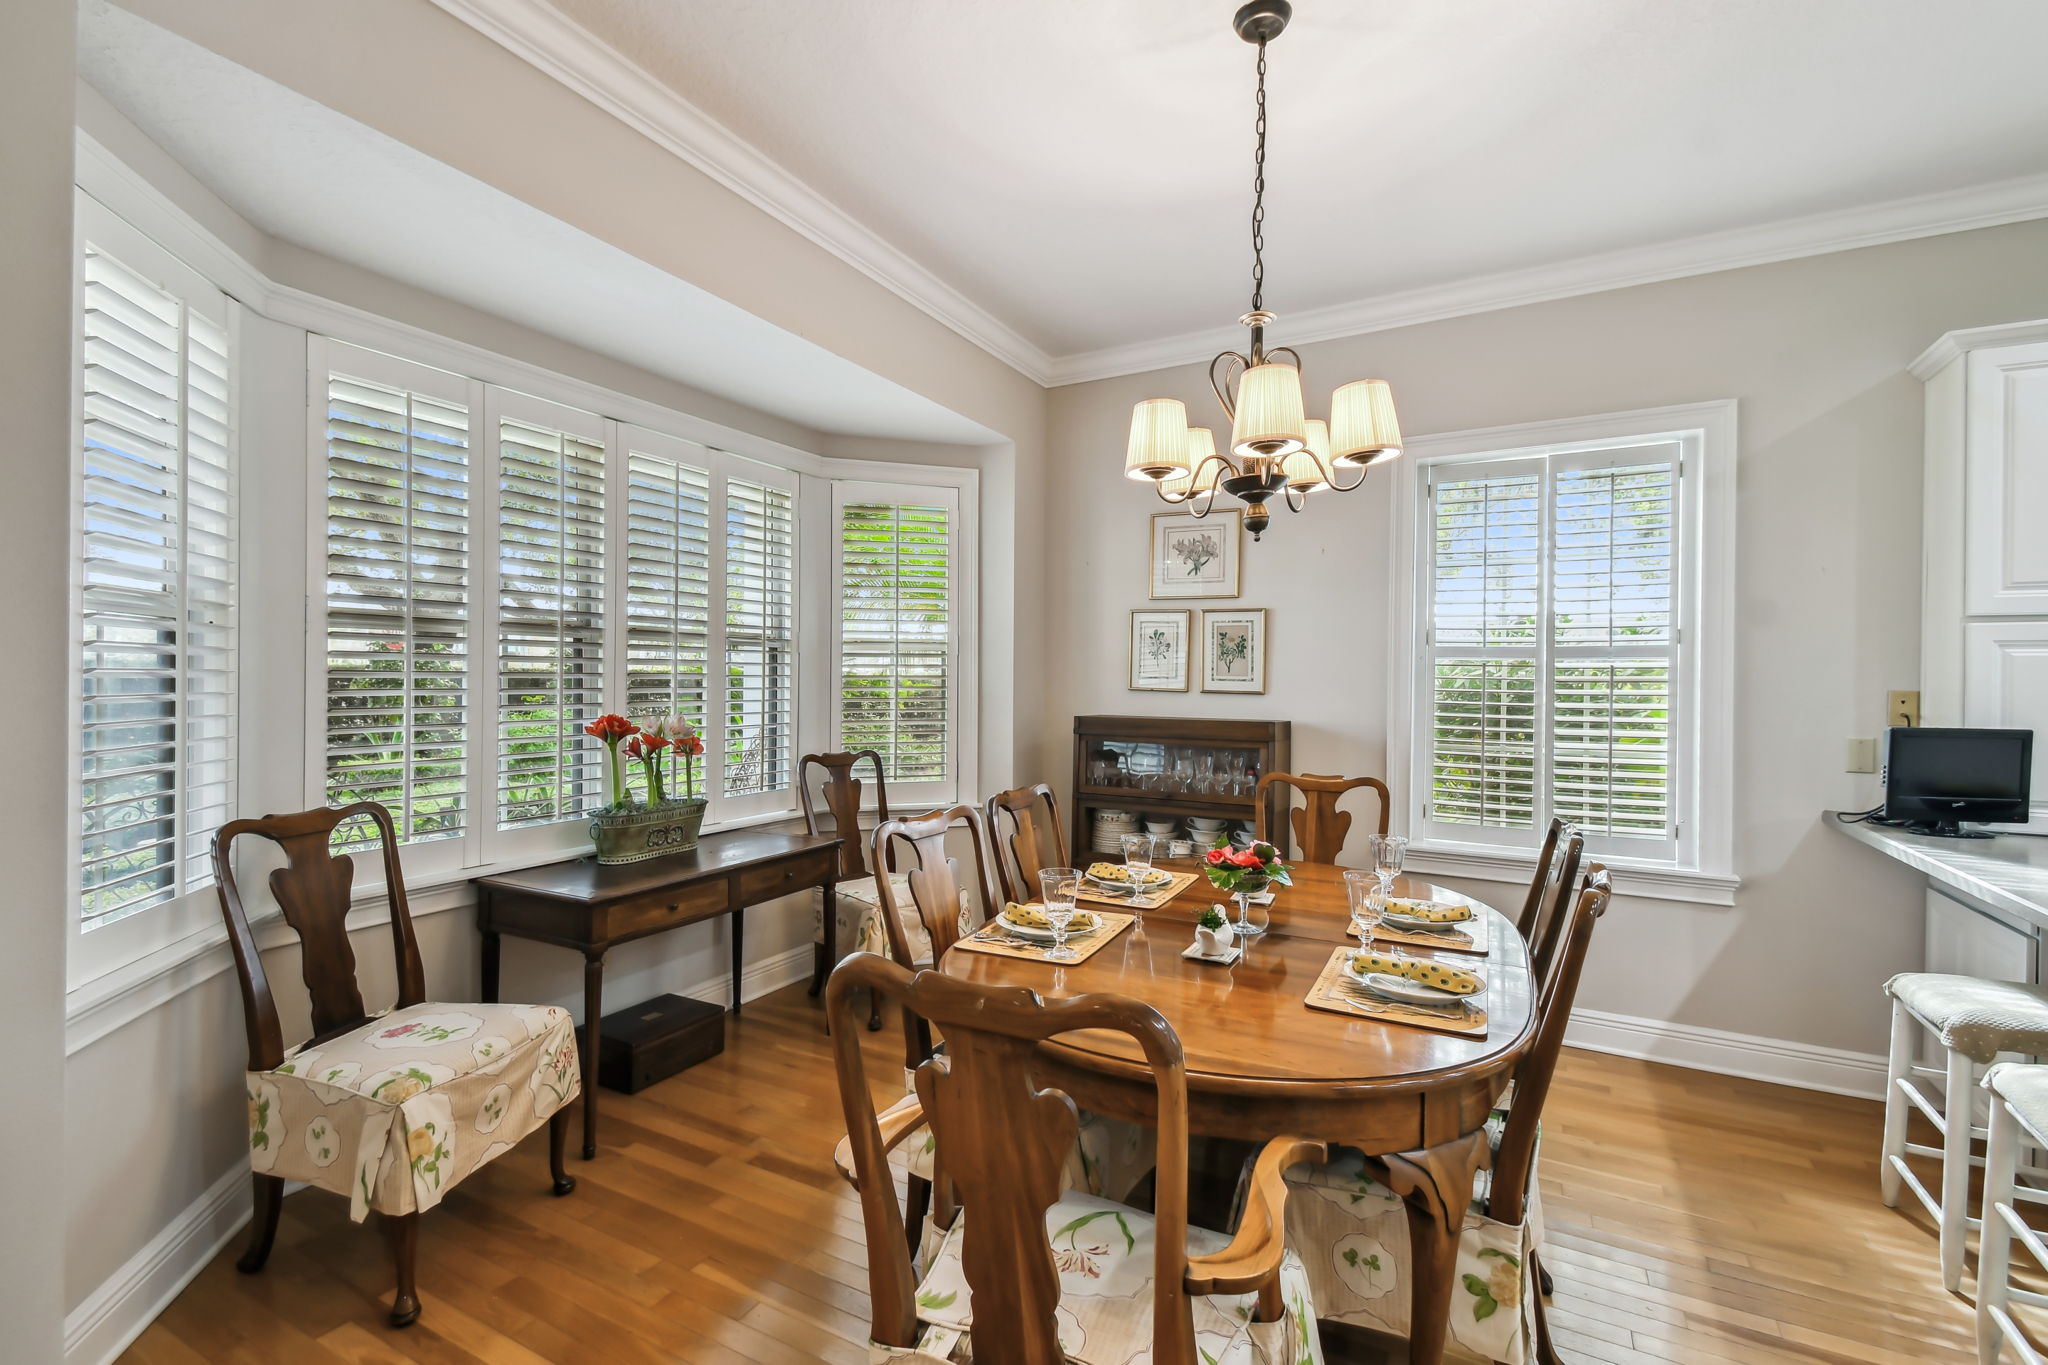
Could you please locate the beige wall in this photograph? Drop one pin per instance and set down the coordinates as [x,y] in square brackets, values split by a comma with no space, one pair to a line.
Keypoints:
[35,327]
[1828,581]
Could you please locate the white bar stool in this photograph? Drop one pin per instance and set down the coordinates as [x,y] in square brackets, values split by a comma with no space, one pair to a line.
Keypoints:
[1975,1020]
[2019,1106]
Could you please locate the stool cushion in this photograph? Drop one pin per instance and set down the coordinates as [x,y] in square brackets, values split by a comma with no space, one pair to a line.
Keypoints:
[1974,1016]
[2024,1088]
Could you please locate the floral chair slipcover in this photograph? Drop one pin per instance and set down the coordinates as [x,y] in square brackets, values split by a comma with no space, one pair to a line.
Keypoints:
[393,1114]
[1104,1253]
[858,905]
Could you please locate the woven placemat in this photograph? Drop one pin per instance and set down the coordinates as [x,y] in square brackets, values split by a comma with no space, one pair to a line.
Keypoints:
[993,938]
[1332,993]
[1464,936]
[1181,882]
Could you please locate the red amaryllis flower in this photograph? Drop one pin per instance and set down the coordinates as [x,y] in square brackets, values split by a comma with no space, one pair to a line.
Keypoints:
[651,743]
[693,745]
[635,748]
[610,728]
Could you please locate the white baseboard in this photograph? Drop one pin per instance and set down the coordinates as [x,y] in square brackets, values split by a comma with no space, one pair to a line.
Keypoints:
[1860,1074]
[113,1315]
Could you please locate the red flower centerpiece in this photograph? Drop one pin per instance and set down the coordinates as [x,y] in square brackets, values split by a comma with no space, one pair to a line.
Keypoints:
[1244,873]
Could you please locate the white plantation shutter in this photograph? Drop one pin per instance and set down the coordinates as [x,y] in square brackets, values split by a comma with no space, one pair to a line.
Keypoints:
[1615,642]
[668,587]
[157,572]
[550,612]
[760,640]
[896,632]
[399,496]
[1552,671]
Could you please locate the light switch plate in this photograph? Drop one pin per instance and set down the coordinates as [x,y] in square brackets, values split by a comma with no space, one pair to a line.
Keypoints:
[1902,708]
[1862,756]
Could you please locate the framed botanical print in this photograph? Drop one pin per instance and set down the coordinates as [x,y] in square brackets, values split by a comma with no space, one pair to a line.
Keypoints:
[1159,651]
[1234,650]
[1195,556]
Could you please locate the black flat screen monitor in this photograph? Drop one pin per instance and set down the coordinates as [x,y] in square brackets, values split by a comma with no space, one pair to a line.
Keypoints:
[1936,777]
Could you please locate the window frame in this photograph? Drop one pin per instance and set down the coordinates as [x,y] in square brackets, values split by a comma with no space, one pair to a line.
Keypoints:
[107,947]
[846,492]
[1699,868]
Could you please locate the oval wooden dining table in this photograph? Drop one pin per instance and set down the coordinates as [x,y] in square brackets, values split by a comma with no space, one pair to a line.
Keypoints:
[1262,1064]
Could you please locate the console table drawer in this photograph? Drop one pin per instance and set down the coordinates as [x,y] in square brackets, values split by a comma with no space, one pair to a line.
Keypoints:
[781,878]
[662,909]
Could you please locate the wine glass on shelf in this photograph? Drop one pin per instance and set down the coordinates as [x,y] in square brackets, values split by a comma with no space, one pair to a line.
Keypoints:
[1058,888]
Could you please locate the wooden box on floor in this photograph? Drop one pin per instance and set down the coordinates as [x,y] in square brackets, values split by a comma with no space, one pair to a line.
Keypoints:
[655,1039]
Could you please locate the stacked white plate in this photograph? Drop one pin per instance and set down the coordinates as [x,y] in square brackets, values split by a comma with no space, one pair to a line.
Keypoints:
[1203,829]
[1110,827]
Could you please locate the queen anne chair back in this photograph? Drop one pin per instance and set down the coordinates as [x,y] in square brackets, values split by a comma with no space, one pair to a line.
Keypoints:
[1003,1146]
[1319,827]
[313,891]
[1549,902]
[1034,839]
[840,789]
[1514,1162]
[915,846]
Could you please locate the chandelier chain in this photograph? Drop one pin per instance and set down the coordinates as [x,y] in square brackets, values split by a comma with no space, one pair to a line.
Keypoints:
[1259,194]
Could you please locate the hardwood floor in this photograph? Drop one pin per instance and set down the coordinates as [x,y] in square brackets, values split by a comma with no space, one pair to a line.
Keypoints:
[1692,1218]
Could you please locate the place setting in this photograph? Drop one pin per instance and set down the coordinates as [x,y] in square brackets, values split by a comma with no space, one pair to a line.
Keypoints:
[1402,989]
[1134,882]
[1051,929]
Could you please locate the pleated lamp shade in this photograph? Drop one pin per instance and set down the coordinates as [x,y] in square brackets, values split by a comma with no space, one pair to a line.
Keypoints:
[1159,439]
[1363,427]
[1269,419]
[1301,469]
[1197,479]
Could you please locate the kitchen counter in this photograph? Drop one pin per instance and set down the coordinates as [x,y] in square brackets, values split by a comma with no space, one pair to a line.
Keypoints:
[2005,876]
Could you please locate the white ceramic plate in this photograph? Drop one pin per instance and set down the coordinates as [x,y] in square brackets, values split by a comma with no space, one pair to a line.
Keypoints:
[1084,924]
[1390,987]
[1154,878]
[1418,922]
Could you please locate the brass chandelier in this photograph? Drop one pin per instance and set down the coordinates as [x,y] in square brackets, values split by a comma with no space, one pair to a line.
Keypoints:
[1275,447]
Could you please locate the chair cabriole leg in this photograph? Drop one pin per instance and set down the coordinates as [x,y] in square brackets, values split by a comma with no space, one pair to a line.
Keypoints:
[402,1231]
[558,1143]
[263,1225]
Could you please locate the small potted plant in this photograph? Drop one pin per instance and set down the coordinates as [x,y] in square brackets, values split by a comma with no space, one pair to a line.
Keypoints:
[1244,873]
[632,828]
[1213,937]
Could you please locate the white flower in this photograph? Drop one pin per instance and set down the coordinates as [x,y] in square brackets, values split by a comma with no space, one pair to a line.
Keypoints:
[674,729]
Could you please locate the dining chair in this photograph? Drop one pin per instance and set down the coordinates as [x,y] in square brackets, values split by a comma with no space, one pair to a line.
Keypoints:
[2019,1114]
[389,1110]
[1352,1229]
[1319,827]
[857,900]
[1112,1156]
[1974,1019]
[1548,902]
[1024,825]
[1029,1272]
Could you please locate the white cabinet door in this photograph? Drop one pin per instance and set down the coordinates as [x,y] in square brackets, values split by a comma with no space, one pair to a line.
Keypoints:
[2006,477]
[2005,687]
[1966,942]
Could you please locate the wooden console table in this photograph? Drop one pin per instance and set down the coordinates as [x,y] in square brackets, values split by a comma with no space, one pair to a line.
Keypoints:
[590,908]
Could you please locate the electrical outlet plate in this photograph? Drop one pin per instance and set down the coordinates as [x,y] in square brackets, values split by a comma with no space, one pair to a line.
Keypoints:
[1902,708]
[1862,756]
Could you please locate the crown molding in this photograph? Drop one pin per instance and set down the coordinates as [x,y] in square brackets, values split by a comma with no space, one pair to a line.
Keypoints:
[1952,345]
[1898,220]
[544,38]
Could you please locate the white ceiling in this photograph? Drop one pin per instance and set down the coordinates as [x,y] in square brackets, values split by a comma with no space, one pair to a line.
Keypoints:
[1080,170]
[300,171]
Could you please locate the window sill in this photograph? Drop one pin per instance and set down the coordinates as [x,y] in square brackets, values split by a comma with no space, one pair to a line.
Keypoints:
[96,1008]
[1646,883]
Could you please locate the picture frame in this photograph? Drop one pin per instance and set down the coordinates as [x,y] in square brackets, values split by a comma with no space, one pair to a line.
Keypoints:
[1234,650]
[1162,653]
[1191,556]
